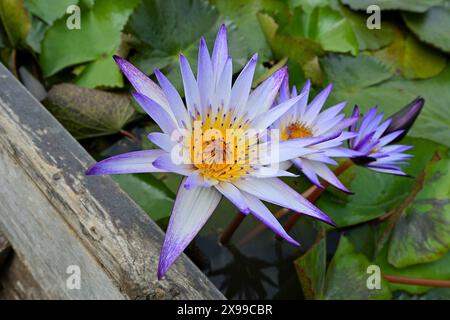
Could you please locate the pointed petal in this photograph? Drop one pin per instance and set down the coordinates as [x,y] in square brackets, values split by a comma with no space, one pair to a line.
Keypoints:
[220,53]
[275,191]
[157,113]
[175,102]
[196,179]
[205,76]
[223,89]
[325,173]
[260,211]
[190,212]
[165,163]
[191,92]
[306,168]
[162,140]
[316,105]
[262,98]
[234,195]
[132,162]
[142,83]
[264,120]
[241,87]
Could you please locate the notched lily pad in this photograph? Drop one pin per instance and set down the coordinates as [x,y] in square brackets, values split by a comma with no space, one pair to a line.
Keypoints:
[88,112]
[423,232]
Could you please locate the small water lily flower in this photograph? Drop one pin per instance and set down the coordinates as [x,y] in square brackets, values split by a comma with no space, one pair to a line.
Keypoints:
[308,120]
[405,118]
[200,130]
[379,154]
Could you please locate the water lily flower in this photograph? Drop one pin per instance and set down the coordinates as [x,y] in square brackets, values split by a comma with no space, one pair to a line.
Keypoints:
[213,103]
[379,154]
[307,120]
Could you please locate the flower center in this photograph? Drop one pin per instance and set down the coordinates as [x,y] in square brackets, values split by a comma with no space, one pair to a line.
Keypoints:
[218,148]
[295,130]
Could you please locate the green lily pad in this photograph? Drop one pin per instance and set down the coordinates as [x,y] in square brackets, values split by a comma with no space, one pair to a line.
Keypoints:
[99,36]
[432,26]
[49,10]
[88,112]
[422,233]
[353,84]
[149,193]
[347,276]
[406,5]
[311,269]
[437,270]
[101,73]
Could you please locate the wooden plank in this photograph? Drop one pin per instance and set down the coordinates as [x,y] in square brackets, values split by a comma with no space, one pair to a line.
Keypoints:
[17,283]
[5,249]
[55,216]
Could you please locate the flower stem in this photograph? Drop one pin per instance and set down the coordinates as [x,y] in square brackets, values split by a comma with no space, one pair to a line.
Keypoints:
[418,281]
[232,227]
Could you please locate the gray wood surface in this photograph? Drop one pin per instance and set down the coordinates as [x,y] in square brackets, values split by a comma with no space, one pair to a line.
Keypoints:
[54,216]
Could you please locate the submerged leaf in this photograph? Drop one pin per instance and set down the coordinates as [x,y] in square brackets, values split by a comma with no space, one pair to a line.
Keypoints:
[16,21]
[87,112]
[407,5]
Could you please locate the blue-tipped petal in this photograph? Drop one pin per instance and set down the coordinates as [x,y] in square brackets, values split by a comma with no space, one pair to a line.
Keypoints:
[132,162]
[190,212]
[260,211]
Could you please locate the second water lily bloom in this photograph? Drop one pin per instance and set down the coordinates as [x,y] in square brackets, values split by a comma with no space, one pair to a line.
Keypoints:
[210,131]
[308,120]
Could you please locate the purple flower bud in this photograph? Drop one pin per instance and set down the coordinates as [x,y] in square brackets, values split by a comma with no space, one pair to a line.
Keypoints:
[405,118]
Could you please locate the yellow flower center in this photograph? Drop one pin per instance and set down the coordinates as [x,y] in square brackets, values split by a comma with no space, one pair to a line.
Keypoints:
[218,148]
[294,131]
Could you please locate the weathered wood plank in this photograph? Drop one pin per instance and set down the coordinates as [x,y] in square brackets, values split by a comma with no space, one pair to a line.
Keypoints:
[55,216]
[17,283]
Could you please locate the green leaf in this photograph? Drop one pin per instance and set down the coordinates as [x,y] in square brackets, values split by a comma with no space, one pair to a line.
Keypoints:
[167,27]
[347,276]
[99,36]
[368,39]
[101,73]
[16,21]
[49,10]
[375,193]
[311,269]
[432,26]
[88,112]
[437,270]
[404,53]
[406,5]
[334,32]
[423,232]
[150,194]
[244,14]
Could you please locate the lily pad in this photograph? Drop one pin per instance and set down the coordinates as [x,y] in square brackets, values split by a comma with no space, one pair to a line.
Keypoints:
[49,10]
[432,26]
[99,36]
[422,233]
[347,276]
[149,193]
[101,73]
[437,270]
[406,5]
[311,269]
[88,112]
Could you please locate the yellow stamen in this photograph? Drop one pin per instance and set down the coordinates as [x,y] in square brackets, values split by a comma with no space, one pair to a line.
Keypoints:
[295,130]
